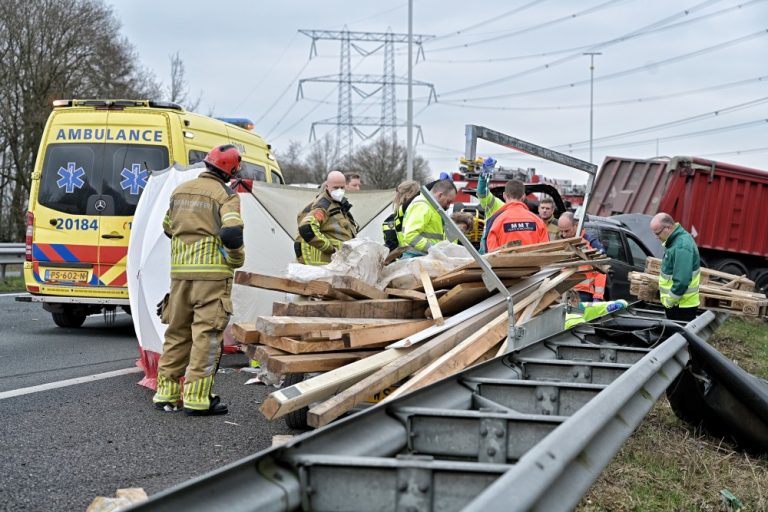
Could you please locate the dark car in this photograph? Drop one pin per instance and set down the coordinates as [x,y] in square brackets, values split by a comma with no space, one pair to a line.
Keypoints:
[626,250]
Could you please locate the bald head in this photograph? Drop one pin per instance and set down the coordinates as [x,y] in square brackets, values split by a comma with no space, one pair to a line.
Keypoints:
[567,225]
[662,225]
[335,180]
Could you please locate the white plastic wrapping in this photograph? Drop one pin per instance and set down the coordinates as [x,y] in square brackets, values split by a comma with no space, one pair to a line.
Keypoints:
[362,259]
[442,258]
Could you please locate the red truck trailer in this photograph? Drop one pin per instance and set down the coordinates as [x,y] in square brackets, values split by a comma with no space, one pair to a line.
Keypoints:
[720,204]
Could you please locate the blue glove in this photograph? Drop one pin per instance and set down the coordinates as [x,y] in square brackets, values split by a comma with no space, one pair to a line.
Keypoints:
[489,165]
[445,176]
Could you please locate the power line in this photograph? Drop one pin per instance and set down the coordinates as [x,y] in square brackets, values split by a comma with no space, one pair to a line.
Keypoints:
[479,24]
[671,124]
[580,49]
[626,72]
[268,73]
[282,94]
[647,99]
[600,46]
[532,28]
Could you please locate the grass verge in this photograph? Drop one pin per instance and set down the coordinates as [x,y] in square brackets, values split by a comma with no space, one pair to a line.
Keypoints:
[668,465]
[12,284]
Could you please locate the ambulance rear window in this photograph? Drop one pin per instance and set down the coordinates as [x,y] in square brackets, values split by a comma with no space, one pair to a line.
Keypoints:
[249,171]
[76,176]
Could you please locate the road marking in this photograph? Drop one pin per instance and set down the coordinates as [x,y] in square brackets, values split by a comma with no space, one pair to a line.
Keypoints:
[68,382]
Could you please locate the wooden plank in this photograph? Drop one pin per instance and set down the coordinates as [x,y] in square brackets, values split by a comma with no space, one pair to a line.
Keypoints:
[408,294]
[294,346]
[464,295]
[386,333]
[298,326]
[514,260]
[356,288]
[398,369]
[245,332]
[372,308]
[304,363]
[281,402]
[516,290]
[282,284]
[262,352]
[459,357]
[453,278]
[552,245]
[434,307]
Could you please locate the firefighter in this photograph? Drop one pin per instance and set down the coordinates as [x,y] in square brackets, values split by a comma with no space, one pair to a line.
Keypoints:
[422,225]
[514,222]
[592,288]
[325,224]
[206,232]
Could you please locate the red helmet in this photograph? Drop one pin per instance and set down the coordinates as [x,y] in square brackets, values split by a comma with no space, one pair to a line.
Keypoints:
[224,158]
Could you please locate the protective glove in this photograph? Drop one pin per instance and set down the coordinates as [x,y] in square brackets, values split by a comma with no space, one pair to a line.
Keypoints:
[482,185]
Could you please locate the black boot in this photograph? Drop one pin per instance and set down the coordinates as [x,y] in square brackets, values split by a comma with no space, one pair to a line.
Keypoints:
[216,408]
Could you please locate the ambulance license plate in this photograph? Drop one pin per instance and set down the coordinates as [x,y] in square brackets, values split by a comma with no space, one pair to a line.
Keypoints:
[69,276]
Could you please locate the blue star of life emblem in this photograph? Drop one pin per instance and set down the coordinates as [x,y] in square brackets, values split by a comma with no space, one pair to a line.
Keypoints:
[71,177]
[134,179]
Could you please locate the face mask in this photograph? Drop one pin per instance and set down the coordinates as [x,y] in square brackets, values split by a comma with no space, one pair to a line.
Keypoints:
[337,194]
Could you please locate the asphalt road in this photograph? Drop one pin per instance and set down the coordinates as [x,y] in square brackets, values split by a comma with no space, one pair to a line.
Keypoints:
[62,447]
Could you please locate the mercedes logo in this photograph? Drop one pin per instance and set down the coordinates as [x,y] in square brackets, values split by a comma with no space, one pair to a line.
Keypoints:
[100,205]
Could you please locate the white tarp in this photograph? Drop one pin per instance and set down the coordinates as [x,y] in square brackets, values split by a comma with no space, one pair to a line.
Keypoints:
[269,213]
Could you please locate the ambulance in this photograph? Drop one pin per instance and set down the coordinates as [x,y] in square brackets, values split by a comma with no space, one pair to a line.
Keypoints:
[94,160]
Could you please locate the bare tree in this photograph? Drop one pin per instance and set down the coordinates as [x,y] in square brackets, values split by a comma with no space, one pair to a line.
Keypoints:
[53,49]
[293,168]
[179,87]
[322,158]
[382,164]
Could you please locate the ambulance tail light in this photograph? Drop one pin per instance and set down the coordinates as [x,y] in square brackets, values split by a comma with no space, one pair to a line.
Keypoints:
[28,236]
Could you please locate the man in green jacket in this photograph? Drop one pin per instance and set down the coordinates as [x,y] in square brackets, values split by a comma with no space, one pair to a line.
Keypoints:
[680,269]
[422,225]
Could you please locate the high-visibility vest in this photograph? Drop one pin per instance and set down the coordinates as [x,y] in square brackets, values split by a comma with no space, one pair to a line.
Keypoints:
[422,227]
[680,274]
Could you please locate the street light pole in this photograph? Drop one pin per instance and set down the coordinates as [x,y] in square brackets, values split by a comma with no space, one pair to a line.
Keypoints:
[409,150]
[591,98]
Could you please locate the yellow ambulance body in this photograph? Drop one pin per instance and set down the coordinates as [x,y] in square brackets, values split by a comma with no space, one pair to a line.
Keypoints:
[94,161]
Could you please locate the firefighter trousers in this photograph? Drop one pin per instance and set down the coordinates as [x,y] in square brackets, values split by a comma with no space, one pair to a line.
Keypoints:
[197,313]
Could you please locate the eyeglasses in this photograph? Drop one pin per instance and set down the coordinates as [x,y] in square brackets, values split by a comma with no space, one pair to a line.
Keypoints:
[657,233]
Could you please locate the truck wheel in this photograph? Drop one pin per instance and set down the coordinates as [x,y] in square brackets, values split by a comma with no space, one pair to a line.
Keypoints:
[296,419]
[730,266]
[69,318]
[761,280]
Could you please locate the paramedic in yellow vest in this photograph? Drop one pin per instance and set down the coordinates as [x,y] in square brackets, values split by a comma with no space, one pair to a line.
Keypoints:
[422,225]
[325,224]
[680,269]
[206,232]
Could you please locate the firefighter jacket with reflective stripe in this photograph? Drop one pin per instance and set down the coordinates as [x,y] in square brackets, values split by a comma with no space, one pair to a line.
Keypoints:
[517,224]
[422,227]
[393,226]
[680,271]
[205,228]
[324,225]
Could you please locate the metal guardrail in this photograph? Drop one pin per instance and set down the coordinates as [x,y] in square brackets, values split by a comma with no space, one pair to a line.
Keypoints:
[529,430]
[10,254]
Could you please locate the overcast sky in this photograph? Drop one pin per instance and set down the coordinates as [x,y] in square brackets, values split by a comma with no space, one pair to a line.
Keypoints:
[675,77]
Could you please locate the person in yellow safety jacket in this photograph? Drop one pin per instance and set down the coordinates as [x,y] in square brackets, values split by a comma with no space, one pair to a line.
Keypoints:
[325,224]
[593,286]
[680,269]
[392,227]
[206,232]
[587,311]
[422,225]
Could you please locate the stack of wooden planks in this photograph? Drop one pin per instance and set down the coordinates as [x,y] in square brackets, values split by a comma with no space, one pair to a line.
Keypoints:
[718,291]
[368,339]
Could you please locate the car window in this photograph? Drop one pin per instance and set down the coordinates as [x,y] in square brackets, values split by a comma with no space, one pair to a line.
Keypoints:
[196,156]
[250,171]
[75,175]
[638,253]
[276,178]
[614,247]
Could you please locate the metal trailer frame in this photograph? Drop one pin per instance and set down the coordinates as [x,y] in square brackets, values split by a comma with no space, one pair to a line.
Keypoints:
[529,430]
